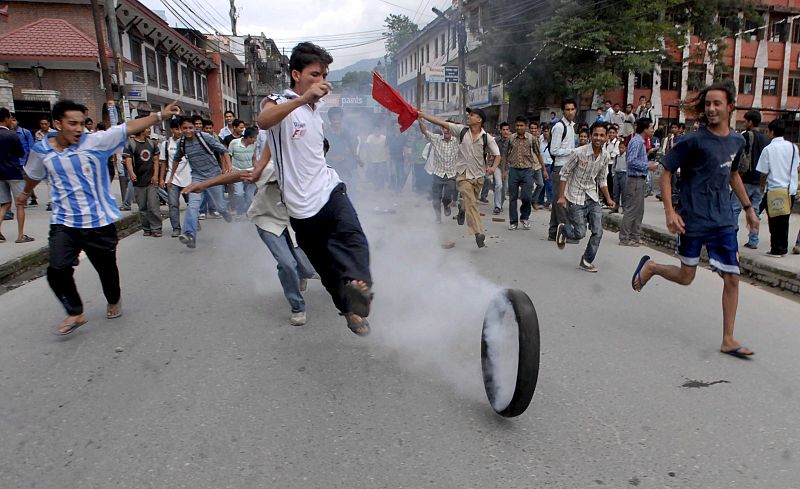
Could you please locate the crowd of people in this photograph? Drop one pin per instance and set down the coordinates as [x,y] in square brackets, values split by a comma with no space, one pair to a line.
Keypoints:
[291,172]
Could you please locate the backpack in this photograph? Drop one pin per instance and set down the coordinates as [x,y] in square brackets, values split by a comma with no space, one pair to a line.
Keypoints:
[485,142]
[563,137]
[200,137]
[746,161]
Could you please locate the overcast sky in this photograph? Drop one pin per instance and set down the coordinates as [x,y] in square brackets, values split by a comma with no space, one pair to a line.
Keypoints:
[328,23]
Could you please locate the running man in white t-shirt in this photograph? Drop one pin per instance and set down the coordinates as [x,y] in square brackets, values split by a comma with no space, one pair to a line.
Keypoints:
[324,220]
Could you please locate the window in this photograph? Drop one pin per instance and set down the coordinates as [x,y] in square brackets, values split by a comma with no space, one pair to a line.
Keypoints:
[204,89]
[427,53]
[777,30]
[136,57]
[152,70]
[770,84]
[436,48]
[176,86]
[483,75]
[746,83]
[671,79]
[188,82]
[697,77]
[794,86]
[754,30]
[162,72]
[198,84]
[796,32]
[643,80]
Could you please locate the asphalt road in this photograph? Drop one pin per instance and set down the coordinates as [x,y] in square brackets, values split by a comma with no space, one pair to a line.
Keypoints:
[203,384]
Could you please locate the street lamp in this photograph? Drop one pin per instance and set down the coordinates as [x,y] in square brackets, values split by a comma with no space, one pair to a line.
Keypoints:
[39,70]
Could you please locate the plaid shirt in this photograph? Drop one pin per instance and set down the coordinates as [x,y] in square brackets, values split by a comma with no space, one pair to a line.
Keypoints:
[584,174]
[444,155]
[522,152]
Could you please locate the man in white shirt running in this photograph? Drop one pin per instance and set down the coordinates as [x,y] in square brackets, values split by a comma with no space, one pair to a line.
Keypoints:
[324,220]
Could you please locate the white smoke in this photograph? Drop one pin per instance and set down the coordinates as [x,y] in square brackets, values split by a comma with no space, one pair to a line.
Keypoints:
[501,334]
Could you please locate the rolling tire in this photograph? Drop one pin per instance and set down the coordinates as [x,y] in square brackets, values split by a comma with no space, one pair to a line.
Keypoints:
[529,350]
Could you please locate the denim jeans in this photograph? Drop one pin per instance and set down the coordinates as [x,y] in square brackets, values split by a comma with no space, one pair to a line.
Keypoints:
[538,181]
[443,191]
[754,193]
[217,201]
[293,265]
[620,179]
[242,196]
[579,215]
[127,199]
[520,178]
[495,182]
[548,187]
[174,202]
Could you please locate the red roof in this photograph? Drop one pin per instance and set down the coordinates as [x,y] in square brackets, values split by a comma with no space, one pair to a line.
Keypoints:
[49,39]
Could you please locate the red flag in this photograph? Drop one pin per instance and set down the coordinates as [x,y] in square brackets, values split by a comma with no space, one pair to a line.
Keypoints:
[384,94]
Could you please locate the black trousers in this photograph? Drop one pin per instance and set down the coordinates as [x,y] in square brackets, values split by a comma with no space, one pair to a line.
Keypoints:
[335,245]
[778,229]
[100,245]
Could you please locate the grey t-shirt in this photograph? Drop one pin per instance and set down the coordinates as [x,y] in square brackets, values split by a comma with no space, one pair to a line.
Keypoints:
[202,164]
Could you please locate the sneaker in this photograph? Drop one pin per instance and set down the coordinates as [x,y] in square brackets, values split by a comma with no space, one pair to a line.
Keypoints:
[447,211]
[176,233]
[483,201]
[497,211]
[225,215]
[512,227]
[298,319]
[438,220]
[122,208]
[551,238]
[303,284]
[217,215]
[586,266]
[629,243]
[752,246]
[461,215]
[49,207]
[770,254]
[33,203]
[480,240]
[796,250]
[114,310]
[526,225]
[202,216]
[573,241]
[188,240]
[561,237]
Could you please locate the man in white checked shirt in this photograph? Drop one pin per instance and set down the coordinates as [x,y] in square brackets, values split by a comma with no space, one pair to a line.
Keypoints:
[84,211]
[582,174]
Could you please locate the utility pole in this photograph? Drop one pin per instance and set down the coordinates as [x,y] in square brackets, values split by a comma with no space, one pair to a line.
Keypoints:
[97,15]
[116,49]
[234,15]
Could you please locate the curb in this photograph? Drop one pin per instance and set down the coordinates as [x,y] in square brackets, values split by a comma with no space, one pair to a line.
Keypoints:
[38,258]
[755,270]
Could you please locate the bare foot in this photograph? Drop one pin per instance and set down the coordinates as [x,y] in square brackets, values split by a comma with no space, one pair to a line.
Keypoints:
[70,324]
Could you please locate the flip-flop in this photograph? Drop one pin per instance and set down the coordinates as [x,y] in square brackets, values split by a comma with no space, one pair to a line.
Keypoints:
[359,298]
[737,352]
[354,325]
[25,239]
[71,329]
[636,274]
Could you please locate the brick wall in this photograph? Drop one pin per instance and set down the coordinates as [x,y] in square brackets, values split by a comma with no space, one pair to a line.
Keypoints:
[81,86]
[23,13]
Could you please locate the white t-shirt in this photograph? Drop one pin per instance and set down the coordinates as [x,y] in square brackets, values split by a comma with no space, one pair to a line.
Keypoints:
[296,142]
[183,175]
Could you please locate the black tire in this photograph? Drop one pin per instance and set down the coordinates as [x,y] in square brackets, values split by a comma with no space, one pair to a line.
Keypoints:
[529,350]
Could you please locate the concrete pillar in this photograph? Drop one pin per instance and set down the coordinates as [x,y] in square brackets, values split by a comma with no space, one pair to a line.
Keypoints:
[737,66]
[655,96]
[629,92]
[761,62]
[7,94]
[684,76]
[787,54]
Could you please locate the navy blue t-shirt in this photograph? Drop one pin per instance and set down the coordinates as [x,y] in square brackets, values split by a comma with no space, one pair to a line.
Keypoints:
[706,162]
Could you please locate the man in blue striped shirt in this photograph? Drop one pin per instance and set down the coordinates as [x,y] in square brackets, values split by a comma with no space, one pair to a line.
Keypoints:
[633,201]
[84,211]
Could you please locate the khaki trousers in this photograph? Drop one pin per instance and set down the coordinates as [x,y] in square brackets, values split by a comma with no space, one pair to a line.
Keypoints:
[470,189]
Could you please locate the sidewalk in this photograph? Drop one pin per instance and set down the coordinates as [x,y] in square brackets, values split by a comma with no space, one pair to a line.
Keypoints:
[18,258]
[782,273]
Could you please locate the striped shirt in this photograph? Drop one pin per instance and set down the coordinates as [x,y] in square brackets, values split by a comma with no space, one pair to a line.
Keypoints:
[584,174]
[80,188]
[444,155]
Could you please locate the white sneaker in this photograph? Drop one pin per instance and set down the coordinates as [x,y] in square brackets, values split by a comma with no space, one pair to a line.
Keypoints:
[586,266]
[526,224]
[202,216]
[298,319]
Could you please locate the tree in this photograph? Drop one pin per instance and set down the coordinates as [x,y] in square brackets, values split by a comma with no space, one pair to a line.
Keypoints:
[399,32]
[356,82]
[591,45]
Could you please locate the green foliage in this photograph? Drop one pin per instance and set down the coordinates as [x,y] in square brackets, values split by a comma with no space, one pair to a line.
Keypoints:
[356,82]
[584,38]
[399,32]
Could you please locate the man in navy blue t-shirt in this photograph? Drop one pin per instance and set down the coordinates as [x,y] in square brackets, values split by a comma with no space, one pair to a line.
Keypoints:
[708,160]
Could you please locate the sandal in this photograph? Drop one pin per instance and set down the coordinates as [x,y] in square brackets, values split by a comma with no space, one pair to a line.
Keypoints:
[114,310]
[359,298]
[25,239]
[71,327]
[355,325]
[2,238]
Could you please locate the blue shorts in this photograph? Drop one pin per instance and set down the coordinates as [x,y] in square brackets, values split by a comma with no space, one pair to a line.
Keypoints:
[722,249]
